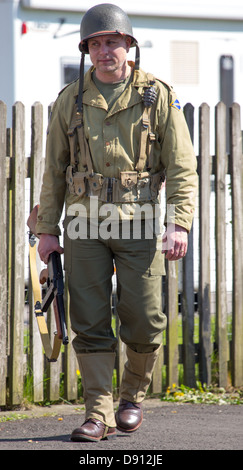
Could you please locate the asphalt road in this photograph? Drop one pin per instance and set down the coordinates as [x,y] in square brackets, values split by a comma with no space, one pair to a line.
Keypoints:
[166,427]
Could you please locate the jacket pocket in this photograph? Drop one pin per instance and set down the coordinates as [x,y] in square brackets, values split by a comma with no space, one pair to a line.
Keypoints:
[157,262]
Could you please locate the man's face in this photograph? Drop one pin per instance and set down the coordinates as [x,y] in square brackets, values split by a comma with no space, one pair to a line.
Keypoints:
[108,54]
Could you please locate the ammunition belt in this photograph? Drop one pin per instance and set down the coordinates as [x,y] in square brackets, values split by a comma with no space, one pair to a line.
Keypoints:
[130,187]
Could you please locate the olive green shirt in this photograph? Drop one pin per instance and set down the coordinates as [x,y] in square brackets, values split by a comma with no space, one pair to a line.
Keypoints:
[110,91]
[114,139]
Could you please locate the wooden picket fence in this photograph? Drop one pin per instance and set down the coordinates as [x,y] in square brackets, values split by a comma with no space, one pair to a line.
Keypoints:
[21,353]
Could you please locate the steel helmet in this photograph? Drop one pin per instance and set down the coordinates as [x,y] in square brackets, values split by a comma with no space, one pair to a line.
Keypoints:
[104,19]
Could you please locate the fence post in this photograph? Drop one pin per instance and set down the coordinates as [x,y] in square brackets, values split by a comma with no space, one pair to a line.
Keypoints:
[172,323]
[221,164]
[204,244]
[3,255]
[36,171]
[237,208]
[70,359]
[18,250]
[188,289]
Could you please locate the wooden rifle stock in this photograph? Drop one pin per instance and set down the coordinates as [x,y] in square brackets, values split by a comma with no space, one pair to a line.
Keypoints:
[53,276]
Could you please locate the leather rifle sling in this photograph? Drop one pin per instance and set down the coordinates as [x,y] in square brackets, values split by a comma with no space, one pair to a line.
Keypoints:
[51,353]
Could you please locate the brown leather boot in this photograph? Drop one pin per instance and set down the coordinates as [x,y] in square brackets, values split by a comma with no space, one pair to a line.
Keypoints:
[92,430]
[129,416]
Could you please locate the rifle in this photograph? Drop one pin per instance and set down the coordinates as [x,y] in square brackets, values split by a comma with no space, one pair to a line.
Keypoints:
[53,275]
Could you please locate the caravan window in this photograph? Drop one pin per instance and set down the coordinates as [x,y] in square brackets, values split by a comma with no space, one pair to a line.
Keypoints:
[70,69]
[70,73]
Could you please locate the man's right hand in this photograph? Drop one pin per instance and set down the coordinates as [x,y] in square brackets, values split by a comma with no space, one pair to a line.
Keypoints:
[47,244]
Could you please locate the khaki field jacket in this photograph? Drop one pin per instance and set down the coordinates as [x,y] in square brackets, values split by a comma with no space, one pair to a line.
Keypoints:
[113,138]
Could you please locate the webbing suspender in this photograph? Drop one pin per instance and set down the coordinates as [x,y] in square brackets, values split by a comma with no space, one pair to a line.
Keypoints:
[144,139]
[147,136]
[76,132]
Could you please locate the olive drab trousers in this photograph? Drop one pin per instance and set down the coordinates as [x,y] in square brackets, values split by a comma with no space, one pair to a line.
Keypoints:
[89,265]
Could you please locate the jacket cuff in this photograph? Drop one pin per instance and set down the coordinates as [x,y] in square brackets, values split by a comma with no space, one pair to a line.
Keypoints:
[43,227]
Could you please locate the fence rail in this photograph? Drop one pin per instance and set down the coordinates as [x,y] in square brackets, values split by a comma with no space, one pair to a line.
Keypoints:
[215,346]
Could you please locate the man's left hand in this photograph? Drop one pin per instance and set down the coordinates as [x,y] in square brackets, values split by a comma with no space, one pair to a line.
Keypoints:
[174,242]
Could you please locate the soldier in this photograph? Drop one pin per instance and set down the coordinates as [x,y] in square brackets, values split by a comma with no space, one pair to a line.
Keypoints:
[112,136]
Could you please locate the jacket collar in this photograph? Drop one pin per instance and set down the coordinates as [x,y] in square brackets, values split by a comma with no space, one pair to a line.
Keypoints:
[130,97]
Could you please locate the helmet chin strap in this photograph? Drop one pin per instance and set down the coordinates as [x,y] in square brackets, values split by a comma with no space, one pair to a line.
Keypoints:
[81,84]
[137,57]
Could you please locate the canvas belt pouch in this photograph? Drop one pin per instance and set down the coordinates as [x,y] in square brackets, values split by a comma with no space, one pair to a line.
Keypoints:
[126,190]
[81,183]
[69,179]
[76,181]
[135,186]
[79,180]
[95,183]
[140,186]
[129,178]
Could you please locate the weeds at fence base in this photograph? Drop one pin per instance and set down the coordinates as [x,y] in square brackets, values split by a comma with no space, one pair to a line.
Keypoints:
[203,394]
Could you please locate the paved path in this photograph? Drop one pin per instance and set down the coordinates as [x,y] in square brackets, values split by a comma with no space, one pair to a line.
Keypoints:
[166,426]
